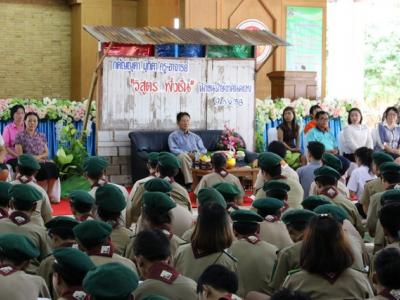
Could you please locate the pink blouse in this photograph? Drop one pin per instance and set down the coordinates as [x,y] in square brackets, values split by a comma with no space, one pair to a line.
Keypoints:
[9,134]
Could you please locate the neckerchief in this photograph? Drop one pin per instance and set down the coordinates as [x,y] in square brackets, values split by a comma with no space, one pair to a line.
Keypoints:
[19,218]
[6,270]
[278,177]
[100,182]
[330,192]
[223,172]
[84,217]
[331,277]
[69,245]
[226,297]
[271,218]
[391,295]
[166,229]
[24,178]
[199,254]
[106,250]
[75,293]
[252,239]
[3,213]
[163,272]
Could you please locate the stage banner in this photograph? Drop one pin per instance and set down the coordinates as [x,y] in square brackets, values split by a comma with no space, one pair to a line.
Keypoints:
[304,33]
[147,93]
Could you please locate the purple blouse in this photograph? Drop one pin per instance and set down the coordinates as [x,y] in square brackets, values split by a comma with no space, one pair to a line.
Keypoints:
[34,145]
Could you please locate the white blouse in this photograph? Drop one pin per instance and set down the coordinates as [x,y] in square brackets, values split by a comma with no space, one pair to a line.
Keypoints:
[356,136]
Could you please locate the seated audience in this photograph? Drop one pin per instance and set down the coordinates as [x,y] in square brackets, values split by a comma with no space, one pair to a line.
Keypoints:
[389,219]
[82,205]
[232,194]
[387,134]
[289,135]
[362,173]
[220,174]
[32,142]
[326,272]
[17,113]
[306,173]
[4,199]
[321,133]
[355,135]
[184,144]
[313,112]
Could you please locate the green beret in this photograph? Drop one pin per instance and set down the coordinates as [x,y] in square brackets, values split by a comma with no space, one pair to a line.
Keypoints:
[158,201]
[327,171]
[314,201]
[92,231]
[5,191]
[154,297]
[158,185]
[246,216]
[153,157]
[123,282]
[297,216]
[210,195]
[168,160]
[95,165]
[332,161]
[228,190]
[28,161]
[390,196]
[81,196]
[335,211]
[18,246]
[73,261]
[391,167]
[110,198]
[276,185]
[25,193]
[270,204]
[61,222]
[381,157]
[268,159]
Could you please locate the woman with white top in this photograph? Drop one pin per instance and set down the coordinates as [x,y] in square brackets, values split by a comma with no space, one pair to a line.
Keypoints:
[355,135]
[362,173]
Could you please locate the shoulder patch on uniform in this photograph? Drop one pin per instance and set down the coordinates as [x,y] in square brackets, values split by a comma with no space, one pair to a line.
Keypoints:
[294,271]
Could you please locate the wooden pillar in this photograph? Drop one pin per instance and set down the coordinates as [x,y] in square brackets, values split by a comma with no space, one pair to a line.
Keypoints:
[157,12]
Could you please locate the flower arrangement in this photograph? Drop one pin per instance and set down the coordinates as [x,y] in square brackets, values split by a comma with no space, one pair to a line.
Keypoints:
[51,109]
[231,140]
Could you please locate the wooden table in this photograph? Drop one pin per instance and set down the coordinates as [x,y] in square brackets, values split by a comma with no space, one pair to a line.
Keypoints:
[247,172]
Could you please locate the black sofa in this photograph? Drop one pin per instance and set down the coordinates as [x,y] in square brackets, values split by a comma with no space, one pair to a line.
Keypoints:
[144,142]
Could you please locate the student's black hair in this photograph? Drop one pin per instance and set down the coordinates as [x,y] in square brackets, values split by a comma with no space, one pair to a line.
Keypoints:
[23,205]
[278,194]
[274,171]
[298,226]
[63,233]
[26,171]
[106,215]
[314,108]
[167,172]
[80,207]
[357,110]
[180,115]
[391,177]
[325,180]
[364,154]
[4,202]
[71,278]
[286,294]
[263,212]
[389,218]
[316,150]
[245,228]
[152,164]
[15,108]
[220,278]
[218,161]
[387,267]
[32,114]
[278,148]
[320,113]
[153,245]
[156,217]
[16,258]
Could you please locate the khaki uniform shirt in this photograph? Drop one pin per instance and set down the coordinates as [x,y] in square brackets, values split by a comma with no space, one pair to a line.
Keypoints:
[212,179]
[188,234]
[188,265]
[351,284]
[120,238]
[342,188]
[295,195]
[275,233]
[43,211]
[135,200]
[370,188]
[21,286]
[36,233]
[255,264]
[101,260]
[288,259]
[379,297]
[373,224]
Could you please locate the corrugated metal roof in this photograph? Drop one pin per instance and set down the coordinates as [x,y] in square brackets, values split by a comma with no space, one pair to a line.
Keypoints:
[163,35]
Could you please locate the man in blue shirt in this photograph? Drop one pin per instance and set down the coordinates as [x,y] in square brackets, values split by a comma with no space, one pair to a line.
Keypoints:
[321,133]
[184,144]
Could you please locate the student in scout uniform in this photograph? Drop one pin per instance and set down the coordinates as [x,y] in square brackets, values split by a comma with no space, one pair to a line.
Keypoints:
[335,163]
[255,257]
[326,179]
[152,255]
[232,194]
[375,185]
[23,202]
[110,203]
[270,166]
[272,230]
[326,271]
[4,199]
[211,236]
[156,213]
[27,168]
[390,222]
[93,237]
[390,174]
[205,195]
[61,236]
[70,268]
[296,220]
[387,274]
[219,174]
[217,282]
[278,190]
[110,282]
[95,170]
[82,205]
[15,252]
